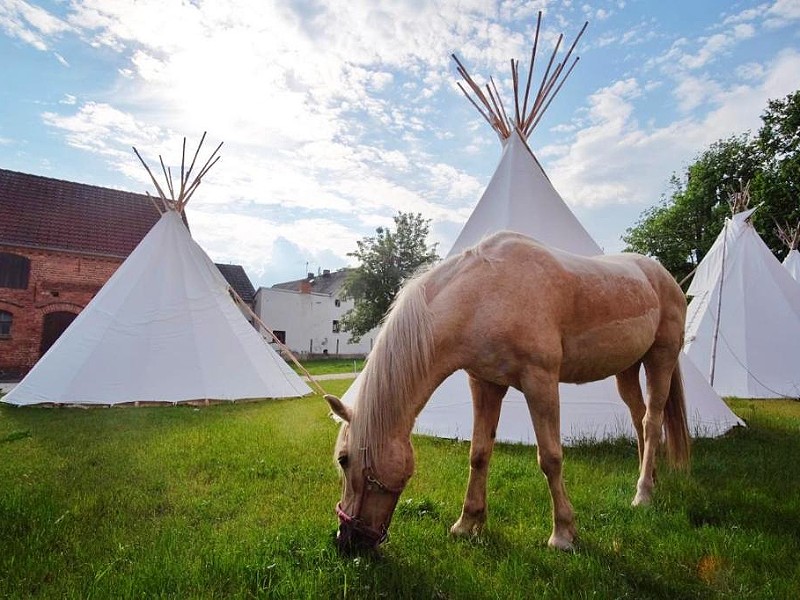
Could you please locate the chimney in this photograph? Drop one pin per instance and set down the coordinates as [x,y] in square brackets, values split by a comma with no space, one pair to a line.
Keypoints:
[326,272]
[310,276]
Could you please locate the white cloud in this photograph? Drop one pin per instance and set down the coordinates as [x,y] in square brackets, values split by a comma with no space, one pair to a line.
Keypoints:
[29,23]
[335,115]
[616,160]
[692,91]
[782,13]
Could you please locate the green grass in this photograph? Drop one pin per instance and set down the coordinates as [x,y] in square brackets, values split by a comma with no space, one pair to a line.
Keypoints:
[236,501]
[328,366]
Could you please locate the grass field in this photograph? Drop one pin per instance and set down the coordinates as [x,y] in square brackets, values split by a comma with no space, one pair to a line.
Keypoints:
[328,366]
[236,501]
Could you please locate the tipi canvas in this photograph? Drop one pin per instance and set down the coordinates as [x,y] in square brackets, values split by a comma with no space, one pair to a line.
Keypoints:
[743,323]
[520,198]
[792,263]
[163,328]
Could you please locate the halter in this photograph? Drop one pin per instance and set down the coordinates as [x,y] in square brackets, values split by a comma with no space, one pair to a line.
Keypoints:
[372,484]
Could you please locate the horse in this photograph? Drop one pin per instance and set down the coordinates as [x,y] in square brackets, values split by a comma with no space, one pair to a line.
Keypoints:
[543,316]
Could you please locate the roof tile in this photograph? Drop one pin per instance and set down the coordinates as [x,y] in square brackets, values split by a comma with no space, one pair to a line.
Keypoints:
[42,212]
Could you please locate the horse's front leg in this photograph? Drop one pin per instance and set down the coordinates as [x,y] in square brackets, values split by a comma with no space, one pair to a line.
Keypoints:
[541,394]
[486,400]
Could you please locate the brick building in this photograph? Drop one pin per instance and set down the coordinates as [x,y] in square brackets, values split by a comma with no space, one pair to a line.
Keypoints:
[59,243]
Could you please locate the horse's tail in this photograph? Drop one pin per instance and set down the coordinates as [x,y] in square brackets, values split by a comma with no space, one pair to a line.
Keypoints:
[676,427]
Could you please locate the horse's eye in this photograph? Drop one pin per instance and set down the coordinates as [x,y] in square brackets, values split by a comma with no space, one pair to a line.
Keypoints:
[342,461]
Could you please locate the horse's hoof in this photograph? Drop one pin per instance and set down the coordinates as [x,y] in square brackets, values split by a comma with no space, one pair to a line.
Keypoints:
[641,500]
[462,529]
[560,543]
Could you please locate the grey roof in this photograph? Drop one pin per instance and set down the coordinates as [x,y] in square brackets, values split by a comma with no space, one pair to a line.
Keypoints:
[326,283]
[237,278]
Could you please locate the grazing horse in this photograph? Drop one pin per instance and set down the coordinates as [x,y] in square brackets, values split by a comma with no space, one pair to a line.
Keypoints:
[542,317]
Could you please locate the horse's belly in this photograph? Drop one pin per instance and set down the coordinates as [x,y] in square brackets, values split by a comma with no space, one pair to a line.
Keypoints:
[606,350]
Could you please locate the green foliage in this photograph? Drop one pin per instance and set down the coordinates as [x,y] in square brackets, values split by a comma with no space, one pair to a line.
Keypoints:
[680,230]
[236,501]
[387,260]
[778,183]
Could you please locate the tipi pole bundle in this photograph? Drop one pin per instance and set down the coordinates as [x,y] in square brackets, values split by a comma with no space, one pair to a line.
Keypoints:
[789,236]
[488,102]
[188,186]
[740,201]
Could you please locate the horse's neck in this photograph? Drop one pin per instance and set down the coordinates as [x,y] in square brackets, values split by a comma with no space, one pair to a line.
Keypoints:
[407,401]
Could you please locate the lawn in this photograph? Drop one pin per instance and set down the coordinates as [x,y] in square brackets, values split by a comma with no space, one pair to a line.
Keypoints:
[329,366]
[236,501]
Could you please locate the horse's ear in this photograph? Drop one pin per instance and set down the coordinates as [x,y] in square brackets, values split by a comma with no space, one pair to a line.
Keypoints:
[338,408]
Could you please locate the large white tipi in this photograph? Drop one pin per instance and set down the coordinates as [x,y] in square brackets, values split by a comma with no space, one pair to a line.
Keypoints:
[164,328]
[521,198]
[743,323]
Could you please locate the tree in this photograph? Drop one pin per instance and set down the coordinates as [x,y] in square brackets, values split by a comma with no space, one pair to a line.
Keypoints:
[778,184]
[387,260]
[680,230]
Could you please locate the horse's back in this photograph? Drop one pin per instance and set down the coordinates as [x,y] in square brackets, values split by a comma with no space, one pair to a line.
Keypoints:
[515,297]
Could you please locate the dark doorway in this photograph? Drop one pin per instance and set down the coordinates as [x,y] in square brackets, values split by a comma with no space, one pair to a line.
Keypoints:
[54,325]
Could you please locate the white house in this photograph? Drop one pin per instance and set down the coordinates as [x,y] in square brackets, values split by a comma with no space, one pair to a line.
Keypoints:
[306,315]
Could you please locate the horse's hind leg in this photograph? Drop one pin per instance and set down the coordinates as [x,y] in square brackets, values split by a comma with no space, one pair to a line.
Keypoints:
[541,393]
[486,400]
[658,365]
[630,390]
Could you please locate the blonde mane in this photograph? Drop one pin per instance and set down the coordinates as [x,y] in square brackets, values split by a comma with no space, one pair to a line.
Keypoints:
[400,358]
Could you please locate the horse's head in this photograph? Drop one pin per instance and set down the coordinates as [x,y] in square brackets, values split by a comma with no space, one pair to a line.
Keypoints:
[372,483]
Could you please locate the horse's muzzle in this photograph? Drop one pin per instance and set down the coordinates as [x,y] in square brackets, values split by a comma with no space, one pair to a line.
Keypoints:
[355,536]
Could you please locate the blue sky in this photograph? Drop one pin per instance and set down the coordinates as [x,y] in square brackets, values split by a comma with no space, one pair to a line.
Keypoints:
[335,115]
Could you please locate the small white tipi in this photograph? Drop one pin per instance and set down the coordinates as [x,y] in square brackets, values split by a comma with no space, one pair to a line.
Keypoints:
[792,264]
[164,328]
[792,240]
[520,198]
[743,323]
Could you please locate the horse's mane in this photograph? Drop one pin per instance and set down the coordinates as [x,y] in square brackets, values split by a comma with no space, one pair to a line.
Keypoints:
[400,358]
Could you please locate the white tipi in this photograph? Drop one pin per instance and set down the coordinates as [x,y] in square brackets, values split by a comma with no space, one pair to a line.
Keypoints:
[743,323]
[792,241]
[164,328]
[792,263]
[519,197]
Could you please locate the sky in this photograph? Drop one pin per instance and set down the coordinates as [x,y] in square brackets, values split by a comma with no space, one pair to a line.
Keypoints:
[337,114]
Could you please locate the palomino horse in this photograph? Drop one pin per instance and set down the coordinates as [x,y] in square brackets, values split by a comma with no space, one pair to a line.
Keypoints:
[542,317]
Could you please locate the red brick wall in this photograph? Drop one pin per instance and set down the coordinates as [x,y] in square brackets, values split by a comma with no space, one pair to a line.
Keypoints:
[58,282]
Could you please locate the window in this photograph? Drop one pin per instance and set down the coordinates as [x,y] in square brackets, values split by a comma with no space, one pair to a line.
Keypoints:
[336,327]
[5,323]
[281,335]
[337,303]
[14,271]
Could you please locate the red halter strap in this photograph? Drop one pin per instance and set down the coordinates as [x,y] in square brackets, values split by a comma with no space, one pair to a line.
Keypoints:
[371,485]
